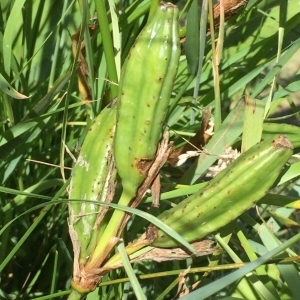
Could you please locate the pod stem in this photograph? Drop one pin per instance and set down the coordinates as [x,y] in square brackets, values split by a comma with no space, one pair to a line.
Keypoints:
[75,295]
[112,230]
[133,248]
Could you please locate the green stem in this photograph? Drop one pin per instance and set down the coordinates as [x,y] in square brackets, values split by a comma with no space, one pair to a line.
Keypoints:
[111,231]
[75,295]
[107,46]
[131,249]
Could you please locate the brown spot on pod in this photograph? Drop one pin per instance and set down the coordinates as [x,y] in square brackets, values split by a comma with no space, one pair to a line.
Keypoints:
[151,233]
[143,165]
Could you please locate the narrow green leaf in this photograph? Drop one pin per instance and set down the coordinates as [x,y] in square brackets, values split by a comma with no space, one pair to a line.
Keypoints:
[283,220]
[9,90]
[217,285]
[274,71]
[281,200]
[292,172]
[107,46]
[10,33]
[253,122]
[131,275]
[192,38]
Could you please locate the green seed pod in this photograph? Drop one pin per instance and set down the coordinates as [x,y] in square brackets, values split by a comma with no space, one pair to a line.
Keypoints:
[145,88]
[232,192]
[93,175]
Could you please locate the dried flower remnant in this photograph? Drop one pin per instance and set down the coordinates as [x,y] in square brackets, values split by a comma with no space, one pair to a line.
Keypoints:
[224,161]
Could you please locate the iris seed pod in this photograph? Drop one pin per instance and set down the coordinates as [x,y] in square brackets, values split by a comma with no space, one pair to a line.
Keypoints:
[232,192]
[145,88]
[92,177]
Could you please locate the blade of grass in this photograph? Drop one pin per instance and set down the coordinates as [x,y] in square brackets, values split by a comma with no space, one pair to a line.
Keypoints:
[60,33]
[282,21]
[116,37]
[212,288]
[253,122]
[274,71]
[32,191]
[280,200]
[192,38]
[10,33]
[288,272]
[133,280]
[292,173]
[9,90]
[107,46]
[201,47]
[54,273]
[261,272]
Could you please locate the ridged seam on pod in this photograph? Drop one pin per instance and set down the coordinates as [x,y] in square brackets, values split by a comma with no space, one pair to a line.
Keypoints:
[92,176]
[232,192]
[145,88]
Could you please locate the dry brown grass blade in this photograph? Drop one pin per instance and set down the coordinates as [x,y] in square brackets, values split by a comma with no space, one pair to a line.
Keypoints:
[230,9]
[83,70]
